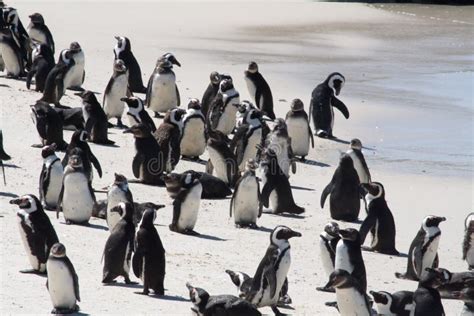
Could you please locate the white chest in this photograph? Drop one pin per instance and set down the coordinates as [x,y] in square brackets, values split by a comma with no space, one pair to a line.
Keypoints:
[299,133]
[163,93]
[75,75]
[342,258]
[55,183]
[246,201]
[77,200]
[114,197]
[430,253]
[361,172]
[227,120]
[281,274]
[470,252]
[60,285]
[250,151]
[351,303]
[252,88]
[193,142]
[220,168]
[34,262]
[38,36]
[10,59]
[190,208]
[325,256]
[113,106]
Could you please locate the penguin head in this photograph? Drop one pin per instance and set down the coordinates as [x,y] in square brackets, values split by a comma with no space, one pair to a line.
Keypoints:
[119,66]
[373,190]
[433,278]
[58,250]
[194,104]
[280,125]
[36,18]
[446,274]
[79,136]
[134,103]
[163,65]
[48,150]
[237,277]
[297,105]
[199,297]
[349,234]
[75,47]
[332,229]
[88,97]
[469,222]
[121,181]
[215,78]
[148,218]
[346,162]
[336,81]
[217,137]
[174,117]
[281,234]
[190,178]
[139,131]
[28,203]
[65,57]
[338,278]
[254,117]
[432,221]
[382,298]
[356,144]
[123,43]
[252,67]
[173,183]
[172,59]
[75,160]
[226,85]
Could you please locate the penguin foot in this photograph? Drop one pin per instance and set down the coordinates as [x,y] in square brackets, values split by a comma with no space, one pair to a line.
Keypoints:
[76,88]
[190,232]
[32,271]
[108,282]
[110,125]
[276,311]
[303,159]
[120,124]
[325,289]
[331,304]
[284,300]
[128,281]
[144,292]
[37,146]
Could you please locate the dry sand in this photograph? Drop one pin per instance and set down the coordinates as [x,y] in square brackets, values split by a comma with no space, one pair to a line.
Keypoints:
[407,69]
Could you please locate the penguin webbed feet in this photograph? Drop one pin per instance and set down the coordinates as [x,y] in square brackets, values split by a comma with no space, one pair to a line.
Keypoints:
[62,311]
[332,304]
[190,232]
[276,311]
[32,271]
[247,225]
[128,281]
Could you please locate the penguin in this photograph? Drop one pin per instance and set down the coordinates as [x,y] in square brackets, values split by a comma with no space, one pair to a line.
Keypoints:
[43,62]
[11,55]
[210,92]
[136,113]
[247,139]
[119,247]
[276,189]
[168,136]
[162,92]
[186,205]
[148,163]
[123,51]
[63,282]
[193,139]
[393,304]
[349,256]
[212,187]
[222,111]
[48,124]
[4,156]
[37,232]
[75,76]
[344,203]
[95,118]
[328,240]
[116,90]
[149,263]
[79,140]
[222,162]
[38,31]
[467,296]
[259,90]
[423,249]
[355,152]
[118,192]
[242,281]
[350,294]
[56,80]
[280,142]
[50,178]
[454,282]
[468,244]
[299,129]
[205,304]
[19,34]
[77,198]
[426,298]
[272,270]
[323,99]
[246,202]
[379,220]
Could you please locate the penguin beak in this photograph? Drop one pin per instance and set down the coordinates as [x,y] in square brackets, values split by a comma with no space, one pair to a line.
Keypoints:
[377,297]
[292,233]
[176,62]
[440,219]
[117,38]
[329,284]
[19,201]
[124,99]
[363,188]
[189,286]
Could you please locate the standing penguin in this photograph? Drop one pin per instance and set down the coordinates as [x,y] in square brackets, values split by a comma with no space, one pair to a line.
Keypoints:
[63,283]
[137,114]
[168,136]
[323,99]
[349,256]
[162,92]
[11,54]
[119,247]
[51,178]
[399,303]
[328,240]
[299,129]
[79,140]
[75,77]
[95,118]
[116,90]
[118,192]
[123,51]
[148,163]
[186,205]
[38,31]
[272,270]
[259,90]
[221,116]
[379,220]
[426,298]
[344,203]
[222,162]
[276,189]
[19,34]
[43,62]
[56,80]
[149,255]
[355,152]
[5,156]
[193,138]
[350,294]
[37,232]
[280,142]
[246,202]
[77,198]
[468,244]
[48,124]
[423,249]
[210,92]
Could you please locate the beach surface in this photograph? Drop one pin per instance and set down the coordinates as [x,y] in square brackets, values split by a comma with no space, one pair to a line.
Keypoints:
[409,89]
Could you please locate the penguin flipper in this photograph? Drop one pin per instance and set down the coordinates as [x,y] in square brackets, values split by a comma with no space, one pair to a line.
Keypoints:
[266,191]
[310,131]
[327,190]
[137,263]
[60,200]
[177,95]
[91,121]
[148,91]
[259,196]
[74,277]
[44,182]
[138,160]
[30,75]
[96,163]
[340,106]
[368,223]
[417,261]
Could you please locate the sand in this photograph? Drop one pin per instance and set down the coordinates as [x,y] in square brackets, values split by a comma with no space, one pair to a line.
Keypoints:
[409,91]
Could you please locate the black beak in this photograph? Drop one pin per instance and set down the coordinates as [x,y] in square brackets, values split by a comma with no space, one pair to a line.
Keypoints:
[117,38]
[176,62]
[16,201]
[124,99]
[329,284]
[189,286]
[293,233]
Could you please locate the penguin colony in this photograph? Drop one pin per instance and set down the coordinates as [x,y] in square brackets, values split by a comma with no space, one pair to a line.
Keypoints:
[252,154]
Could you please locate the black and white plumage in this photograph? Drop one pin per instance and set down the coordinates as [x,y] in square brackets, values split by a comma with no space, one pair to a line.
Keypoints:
[211,91]
[222,162]
[63,282]
[426,298]
[162,93]
[123,51]
[299,130]
[344,203]
[48,124]
[119,247]
[118,192]
[212,187]
[149,262]
[328,240]
[355,152]
[14,25]
[39,31]
[76,75]
[116,90]
[222,111]
[468,243]
[137,114]
[423,249]
[379,220]
[43,62]
[4,156]
[323,99]
[56,80]
[393,304]
[229,305]
[280,142]
[72,118]
[454,283]
[194,136]
[273,269]
[79,140]
[37,232]
[168,136]
[11,54]
[242,281]
[51,177]
[259,90]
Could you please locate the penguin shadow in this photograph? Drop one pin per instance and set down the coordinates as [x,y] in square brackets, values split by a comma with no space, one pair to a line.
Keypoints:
[173,298]
[368,249]
[310,162]
[108,145]
[2,85]
[8,195]
[263,229]
[11,165]
[14,78]
[295,187]
[133,285]
[198,161]
[208,237]
[89,225]
[337,140]
[288,215]
[80,313]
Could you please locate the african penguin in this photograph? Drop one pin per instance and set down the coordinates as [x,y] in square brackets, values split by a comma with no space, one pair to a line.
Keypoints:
[19,34]
[355,152]
[210,92]
[280,142]
[72,118]
[149,255]
[468,244]
[259,90]
[222,110]
[423,249]
[193,138]
[48,124]
[75,76]
[168,136]
[393,304]
[426,298]
[63,283]
[36,231]
[212,187]
[137,114]
[118,192]
[222,162]
[43,62]
[162,92]
[79,140]
[51,177]
[123,51]
[39,32]
[11,54]
[328,240]
[4,156]
[299,129]
[116,90]
[344,203]
[323,99]
[454,282]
